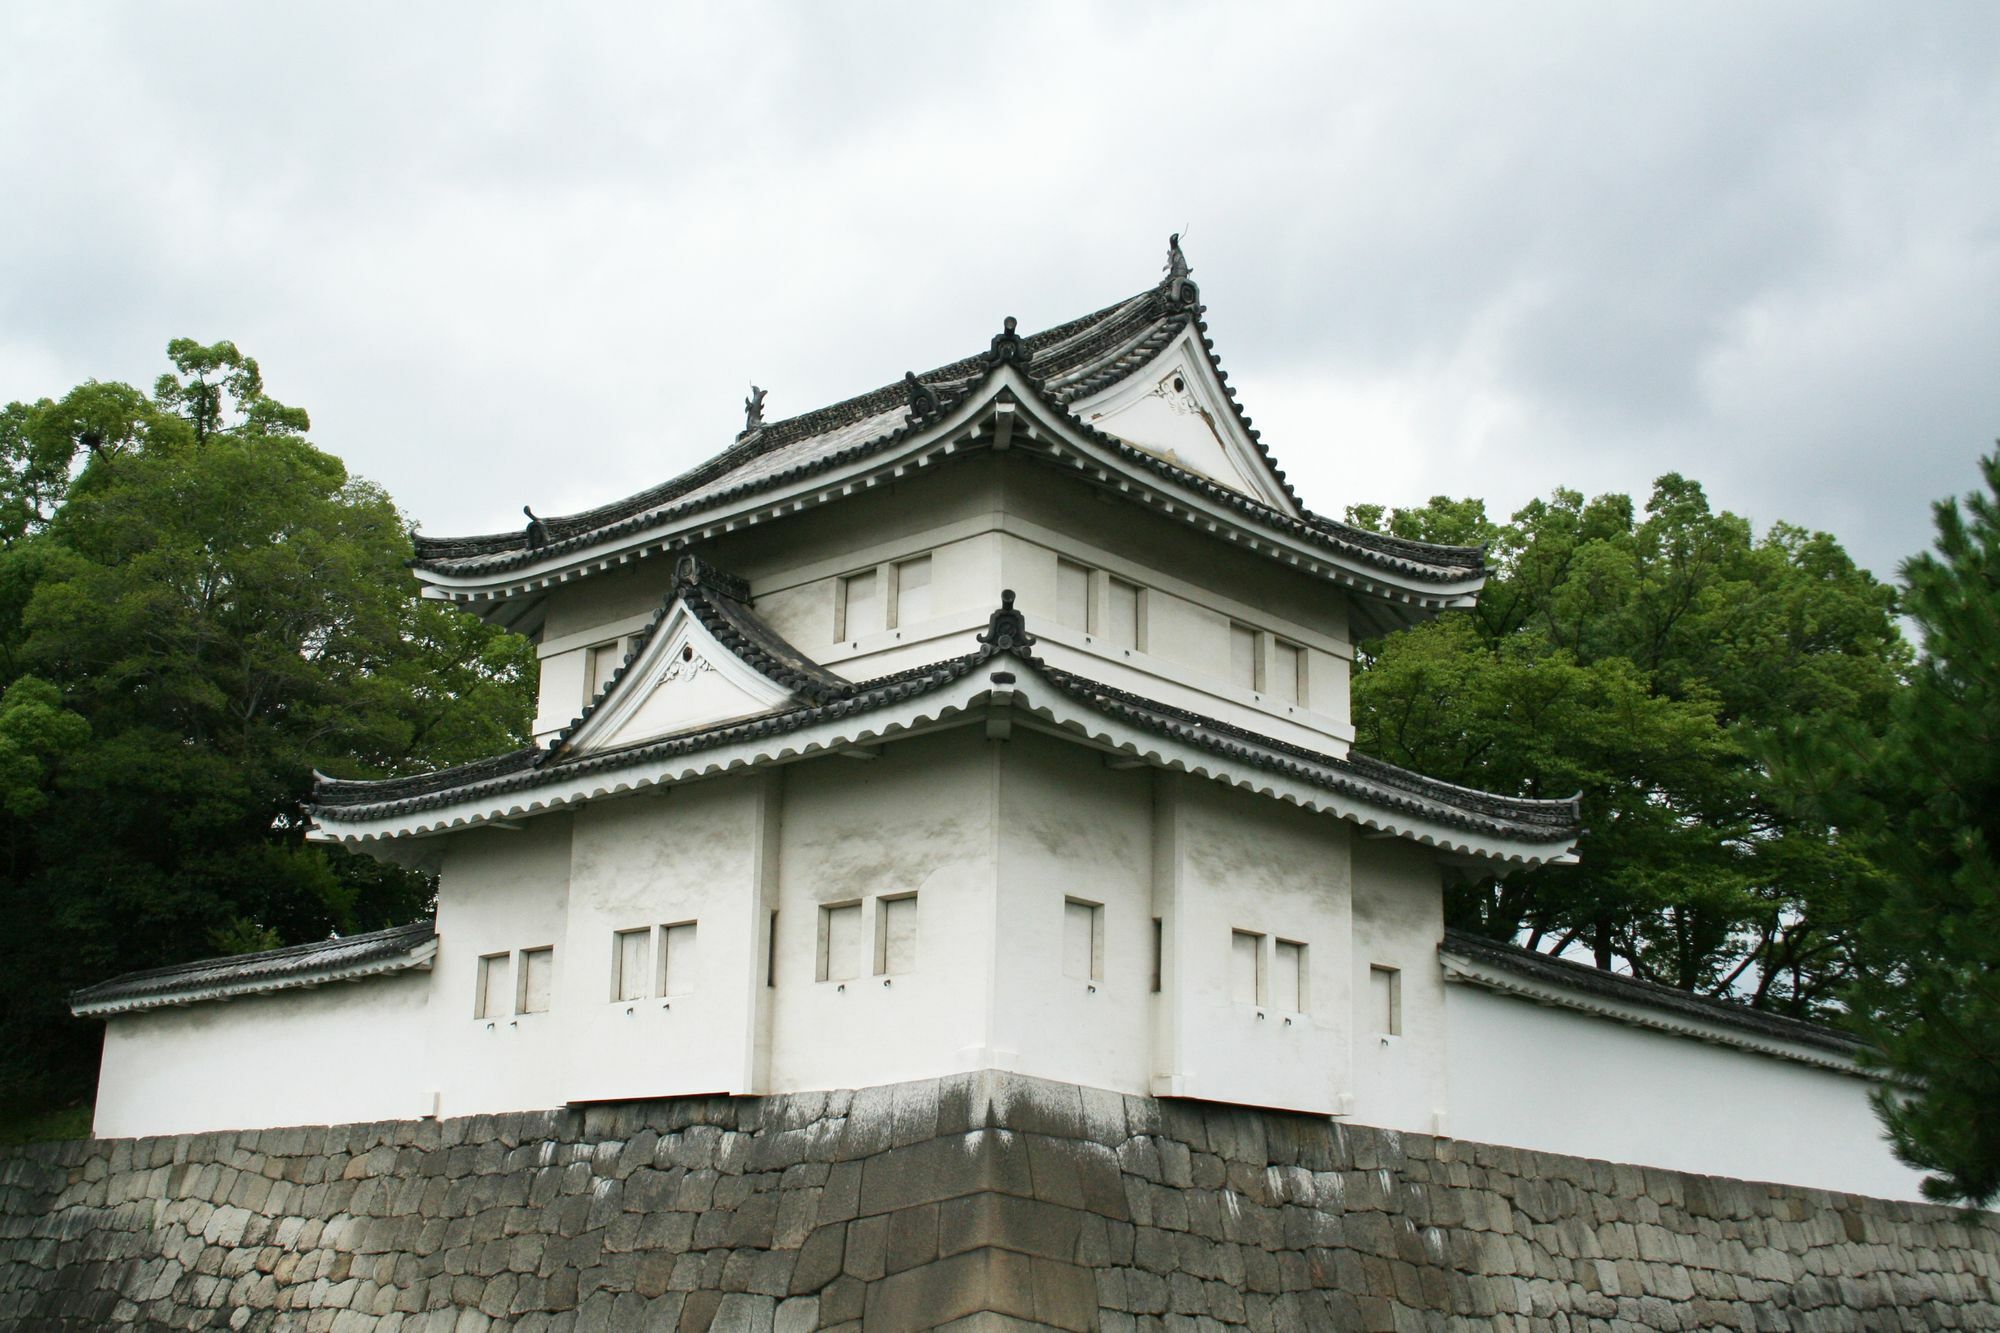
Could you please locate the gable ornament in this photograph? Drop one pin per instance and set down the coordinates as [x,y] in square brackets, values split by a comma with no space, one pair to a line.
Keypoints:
[537,531]
[1008,348]
[923,398]
[684,665]
[1181,289]
[753,413]
[1007,628]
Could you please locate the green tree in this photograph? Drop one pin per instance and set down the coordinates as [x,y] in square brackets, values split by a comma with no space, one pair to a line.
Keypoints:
[1926,800]
[1642,658]
[198,608]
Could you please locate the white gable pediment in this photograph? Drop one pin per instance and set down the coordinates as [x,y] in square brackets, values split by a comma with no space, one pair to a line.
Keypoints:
[683,679]
[1175,409]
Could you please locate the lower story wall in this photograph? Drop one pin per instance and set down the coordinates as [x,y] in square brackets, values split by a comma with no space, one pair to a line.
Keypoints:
[988,1201]
[1558,1080]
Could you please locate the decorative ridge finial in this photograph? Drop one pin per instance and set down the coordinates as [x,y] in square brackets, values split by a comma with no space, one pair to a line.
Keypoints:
[1008,346]
[753,413]
[923,398]
[537,532]
[1180,288]
[691,571]
[1007,628]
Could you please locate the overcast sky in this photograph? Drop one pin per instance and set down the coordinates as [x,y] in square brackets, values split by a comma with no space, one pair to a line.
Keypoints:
[511,253]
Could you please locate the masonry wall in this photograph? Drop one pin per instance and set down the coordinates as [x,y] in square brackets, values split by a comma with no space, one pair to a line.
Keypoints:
[979,1202]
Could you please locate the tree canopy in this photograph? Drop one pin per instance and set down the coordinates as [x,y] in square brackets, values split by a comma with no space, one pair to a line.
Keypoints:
[197,609]
[1923,801]
[1645,659]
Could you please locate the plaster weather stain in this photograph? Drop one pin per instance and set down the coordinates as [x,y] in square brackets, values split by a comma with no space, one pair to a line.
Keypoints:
[1070,836]
[845,864]
[1277,861]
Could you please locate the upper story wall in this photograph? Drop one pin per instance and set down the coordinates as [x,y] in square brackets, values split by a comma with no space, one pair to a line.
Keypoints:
[908,573]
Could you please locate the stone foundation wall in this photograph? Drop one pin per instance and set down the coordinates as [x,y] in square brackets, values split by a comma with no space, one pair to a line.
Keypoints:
[981,1202]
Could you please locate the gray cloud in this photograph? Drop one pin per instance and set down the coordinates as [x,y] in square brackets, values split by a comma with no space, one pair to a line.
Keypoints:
[508,255]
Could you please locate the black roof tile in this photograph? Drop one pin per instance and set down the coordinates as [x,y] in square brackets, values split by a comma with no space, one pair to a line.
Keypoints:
[1071,361]
[1533,965]
[257,971]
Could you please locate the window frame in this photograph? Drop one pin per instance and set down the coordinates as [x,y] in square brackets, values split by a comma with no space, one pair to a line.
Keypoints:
[522,968]
[1094,945]
[824,961]
[883,903]
[618,967]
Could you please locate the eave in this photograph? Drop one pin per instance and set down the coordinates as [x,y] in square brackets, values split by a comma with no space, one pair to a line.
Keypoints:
[1005,410]
[982,689]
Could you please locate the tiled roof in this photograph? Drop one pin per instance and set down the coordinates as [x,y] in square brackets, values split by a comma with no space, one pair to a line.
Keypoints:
[1384,786]
[1072,358]
[336,959]
[1369,781]
[1549,970]
[1069,362]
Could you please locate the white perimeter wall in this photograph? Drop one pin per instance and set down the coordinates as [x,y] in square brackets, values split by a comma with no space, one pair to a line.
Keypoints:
[350,1051]
[1539,1077]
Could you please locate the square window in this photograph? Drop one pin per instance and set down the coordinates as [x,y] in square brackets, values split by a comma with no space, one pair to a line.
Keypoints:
[1287,676]
[861,609]
[538,974]
[1073,595]
[631,960]
[1385,992]
[494,992]
[896,935]
[1083,939]
[1243,656]
[1121,613]
[677,958]
[601,663]
[1246,967]
[913,591]
[1288,982]
[839,941]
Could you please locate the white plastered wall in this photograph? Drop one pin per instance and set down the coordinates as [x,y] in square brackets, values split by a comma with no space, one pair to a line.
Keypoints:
[1226,861]
[499,891]
[348,1051]
[1399,1079]
[1072,829]
[919,819]
[693,855]
[1535,1076]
